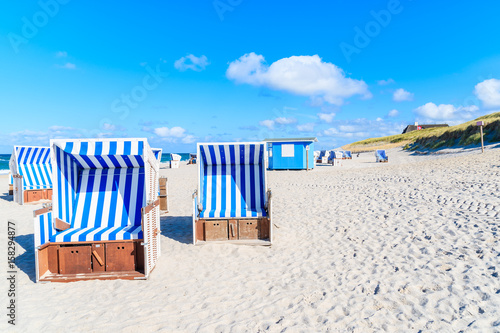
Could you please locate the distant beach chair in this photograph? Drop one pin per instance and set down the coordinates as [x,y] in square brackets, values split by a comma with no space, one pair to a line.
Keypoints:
[232,202]
[175,161]
[31,171]
[323,157]
[162,183]
[381,156]
[192,159]
[104,221]
[335,158]
[348,154]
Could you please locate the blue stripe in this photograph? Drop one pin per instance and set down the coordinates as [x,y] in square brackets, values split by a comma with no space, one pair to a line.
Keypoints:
[112,147]
[127,148]
[223,181]
[127,161]
[126,197]
[243,185]
[233,178]
[253,205]
[88,199]
[214,181]
[59,187]
[66,185]
[261,177]
[141,148]
[115,162]
[140,195]
[204,178]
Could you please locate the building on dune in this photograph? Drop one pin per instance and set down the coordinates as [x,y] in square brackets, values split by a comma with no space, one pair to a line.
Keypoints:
[416,127]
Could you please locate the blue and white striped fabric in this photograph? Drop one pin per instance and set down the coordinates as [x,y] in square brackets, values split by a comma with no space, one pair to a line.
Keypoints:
[44,229]
[99,189]
[322,154]
[11,179]
[232,180]
[158,153]
[33,163]
[381,155]
[348,154]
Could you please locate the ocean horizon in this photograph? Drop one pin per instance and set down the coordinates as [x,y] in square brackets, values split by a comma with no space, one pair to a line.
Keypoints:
[5,158]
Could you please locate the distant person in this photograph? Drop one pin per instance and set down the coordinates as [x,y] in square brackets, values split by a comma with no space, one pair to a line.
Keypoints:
[357,155]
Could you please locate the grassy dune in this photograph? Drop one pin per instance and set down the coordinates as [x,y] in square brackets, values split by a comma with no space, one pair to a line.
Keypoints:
[465,134]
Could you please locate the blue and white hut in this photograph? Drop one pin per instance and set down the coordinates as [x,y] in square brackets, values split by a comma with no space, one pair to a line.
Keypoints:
[381,156]
[291,154]
[31,170]
[104,219]
[232,202]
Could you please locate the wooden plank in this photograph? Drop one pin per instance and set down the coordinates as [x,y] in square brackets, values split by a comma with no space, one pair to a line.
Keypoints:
[216,230]
[53,258]
[120,257]
[75,259]
[98,258]
[248,229]
[150,207]
[126,275]
[61,225]
[42,211]
[163,202]
[264,228]
[200,230]
[233,229]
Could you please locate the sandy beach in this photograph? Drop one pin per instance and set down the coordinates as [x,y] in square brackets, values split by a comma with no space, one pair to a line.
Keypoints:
[410,245]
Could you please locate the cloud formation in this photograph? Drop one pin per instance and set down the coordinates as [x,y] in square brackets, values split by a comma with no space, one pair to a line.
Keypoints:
[401,95]
[445,112]
[488,92]
[307,76]
[326,117]
[67,65]
[385,82]
[393,113]
[192,62]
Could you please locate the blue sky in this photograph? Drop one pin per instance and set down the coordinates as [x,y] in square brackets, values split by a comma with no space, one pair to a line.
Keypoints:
[181,72]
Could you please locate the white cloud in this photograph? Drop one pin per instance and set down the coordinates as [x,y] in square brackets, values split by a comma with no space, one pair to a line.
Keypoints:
[401,95]
[108,127]
[67,65]
[267,123]
[393,113]
[447,112]
[192,62]
[379,119]
[331,132]
[285,121]
[385,82]
[326,117]
[174,132]
[309,127]
[347,128]
[300,75]
[189,139]
[488,92]
[61,54]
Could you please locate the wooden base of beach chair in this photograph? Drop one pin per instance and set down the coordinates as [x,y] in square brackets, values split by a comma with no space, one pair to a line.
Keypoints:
[237,230]
[105,260]
[32,196]
[11,189]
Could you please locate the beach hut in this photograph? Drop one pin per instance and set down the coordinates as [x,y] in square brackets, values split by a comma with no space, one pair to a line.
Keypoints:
[291,154]
[232,202]
[348,154]
[157,152]
[31,172]
[381,156]
[162,184]
[192,159]
[104,219]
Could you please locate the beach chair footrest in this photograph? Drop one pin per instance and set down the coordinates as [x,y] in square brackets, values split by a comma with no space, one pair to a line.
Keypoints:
[232,229]
[65,262]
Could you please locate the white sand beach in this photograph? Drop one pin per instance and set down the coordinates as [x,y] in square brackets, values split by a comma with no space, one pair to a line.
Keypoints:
[410,245]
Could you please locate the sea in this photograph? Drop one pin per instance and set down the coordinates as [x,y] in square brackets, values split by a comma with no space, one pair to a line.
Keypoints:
[4,161]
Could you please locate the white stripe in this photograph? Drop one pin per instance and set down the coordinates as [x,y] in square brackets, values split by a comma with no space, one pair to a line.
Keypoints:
[255,168]
[133,196]
[107,198]
[81,200]
[209,180]
[238,180]
[119,197]
[218,182]
[228,179]
[105,235]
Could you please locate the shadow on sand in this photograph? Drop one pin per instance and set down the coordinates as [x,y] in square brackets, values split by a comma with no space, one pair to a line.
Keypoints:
[178,228]
[26,261]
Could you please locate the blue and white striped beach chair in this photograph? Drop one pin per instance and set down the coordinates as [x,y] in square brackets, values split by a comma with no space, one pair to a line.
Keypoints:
[323,157]
[31,170]
[232,202]
[381,156]
[163,184]
[157,152]
[11,184]
[348,154]
[104,219]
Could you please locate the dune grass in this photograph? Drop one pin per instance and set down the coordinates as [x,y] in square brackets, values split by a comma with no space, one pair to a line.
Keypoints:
[465,134]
